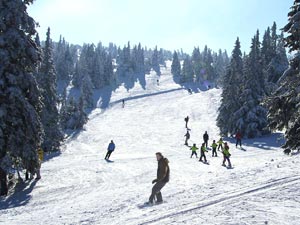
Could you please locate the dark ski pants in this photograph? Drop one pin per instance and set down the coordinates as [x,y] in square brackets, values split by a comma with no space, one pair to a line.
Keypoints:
[156,192]
[214,152]
[194,153]
[228,160]
[238,142]
[203,155]
[3,188]
[108,154]
[206,143]
[220,146]
[186,141]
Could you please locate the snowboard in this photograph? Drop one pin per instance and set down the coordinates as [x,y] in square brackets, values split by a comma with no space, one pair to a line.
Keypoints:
[228,167]
[207,163]
[147,204]
[108,160]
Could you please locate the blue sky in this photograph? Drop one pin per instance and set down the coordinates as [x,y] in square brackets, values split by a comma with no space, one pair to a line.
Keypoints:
[170,24]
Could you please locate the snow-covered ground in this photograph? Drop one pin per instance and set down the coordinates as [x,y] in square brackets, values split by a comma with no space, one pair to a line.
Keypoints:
[80,187]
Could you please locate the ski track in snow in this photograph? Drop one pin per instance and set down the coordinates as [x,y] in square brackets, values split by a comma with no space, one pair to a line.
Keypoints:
[80,187]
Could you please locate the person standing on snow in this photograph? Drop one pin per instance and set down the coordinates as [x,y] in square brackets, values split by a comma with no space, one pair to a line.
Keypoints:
[3,182]
[205,138]
[238,137]
[220,144]
[194,150]
[187,137]
[214,149]
[203,150]
[111,147]
[163,176]
[226,155]
[123,103]
[186,119]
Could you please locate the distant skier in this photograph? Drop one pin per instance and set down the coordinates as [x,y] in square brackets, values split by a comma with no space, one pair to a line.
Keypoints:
[163,176]
[214,149]
[3,182]
[194,150]
[202,151]
[238,137]
[226,155]
[190,91]
[220,144]
[186,119]
[157,82]
[205,138]
[187,137]
[111,147]
[123,103]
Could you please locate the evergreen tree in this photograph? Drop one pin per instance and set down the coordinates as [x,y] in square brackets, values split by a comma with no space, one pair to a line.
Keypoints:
[155,61]
[252,120]
[50,117]
[226,120]
[20,126]
[197,63]
[279,62]
[176,67]
[284,104]
[187,73]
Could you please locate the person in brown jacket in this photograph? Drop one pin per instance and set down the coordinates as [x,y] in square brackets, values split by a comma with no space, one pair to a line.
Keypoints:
[163,176]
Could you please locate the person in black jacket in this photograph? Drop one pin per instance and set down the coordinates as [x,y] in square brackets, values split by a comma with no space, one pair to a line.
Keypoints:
[205,138]
[3,182]
[163,176]
[187,137]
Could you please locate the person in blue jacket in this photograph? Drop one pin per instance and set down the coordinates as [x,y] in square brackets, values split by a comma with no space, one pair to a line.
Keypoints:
[111,147]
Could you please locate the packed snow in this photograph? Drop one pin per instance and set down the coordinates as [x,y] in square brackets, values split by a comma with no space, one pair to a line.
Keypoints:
[79,187]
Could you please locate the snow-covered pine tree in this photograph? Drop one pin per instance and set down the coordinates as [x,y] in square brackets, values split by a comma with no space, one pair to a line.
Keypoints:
[197,64]
[176,67]
[284,104]
[86,91]
[279,62]
[252,117]
[49,116]
[187,73]
[155,61]
[20,126]
[232,86]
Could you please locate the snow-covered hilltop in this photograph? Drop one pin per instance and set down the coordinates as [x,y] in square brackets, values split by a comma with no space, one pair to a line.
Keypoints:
[80,187]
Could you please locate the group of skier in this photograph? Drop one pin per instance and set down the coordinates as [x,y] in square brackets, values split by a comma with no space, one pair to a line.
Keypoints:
[220,145]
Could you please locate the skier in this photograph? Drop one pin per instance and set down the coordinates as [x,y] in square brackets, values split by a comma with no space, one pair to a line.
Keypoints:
[187,137]
[157,82]
[3,182]
[186,119]
[238,137]
[214,149]
[163,176]
[203,150]
[41,159]
[123,103]
[111,147]
[205,138]
[190,91]
[226,155]
[194,150]
[220,144]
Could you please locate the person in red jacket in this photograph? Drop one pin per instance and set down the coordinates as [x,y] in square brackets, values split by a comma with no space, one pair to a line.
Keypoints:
[238,137]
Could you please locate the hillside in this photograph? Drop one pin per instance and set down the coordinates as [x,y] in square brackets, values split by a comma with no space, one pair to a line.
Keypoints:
[80,187]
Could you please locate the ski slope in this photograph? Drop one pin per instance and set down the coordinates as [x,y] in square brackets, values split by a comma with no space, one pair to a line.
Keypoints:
[80,187]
